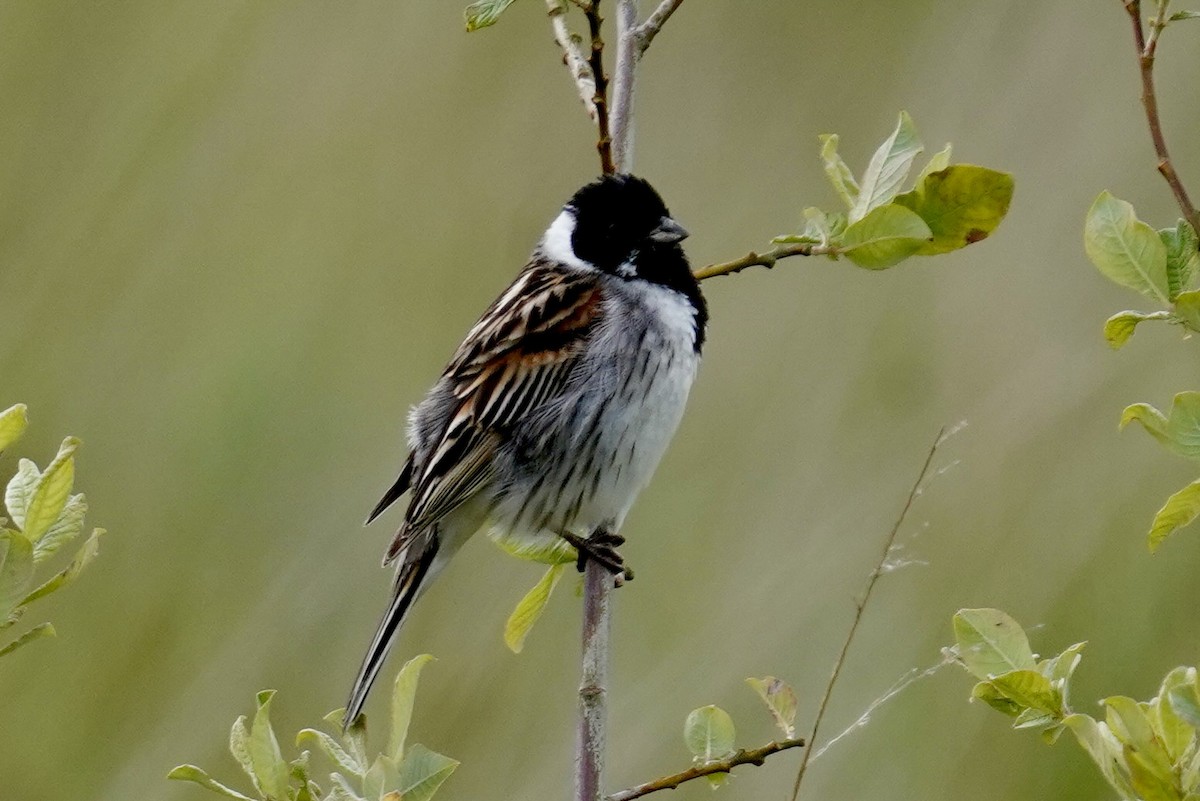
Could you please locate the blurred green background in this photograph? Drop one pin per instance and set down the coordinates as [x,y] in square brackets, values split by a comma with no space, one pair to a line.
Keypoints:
[238,239]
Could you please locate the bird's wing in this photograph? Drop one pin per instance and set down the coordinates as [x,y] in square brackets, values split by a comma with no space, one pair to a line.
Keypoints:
[518,356]
[395,491]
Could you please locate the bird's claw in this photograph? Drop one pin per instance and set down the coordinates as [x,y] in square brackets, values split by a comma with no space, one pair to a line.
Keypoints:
[601,547]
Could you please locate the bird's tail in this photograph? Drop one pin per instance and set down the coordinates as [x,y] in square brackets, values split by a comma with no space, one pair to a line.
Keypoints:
[411,577]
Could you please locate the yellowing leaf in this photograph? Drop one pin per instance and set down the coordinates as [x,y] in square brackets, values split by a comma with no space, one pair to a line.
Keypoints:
[51,491]
[548,549]
[1125,249]
[1180,431]
[1120,327]
[530,609]
[36,633]
[962,204]
[1187,309]
[885,237]
[780,700]
[13,422]
[1179,510]
[404,695]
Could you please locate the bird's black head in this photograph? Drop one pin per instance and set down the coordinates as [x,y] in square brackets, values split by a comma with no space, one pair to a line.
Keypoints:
[623,227]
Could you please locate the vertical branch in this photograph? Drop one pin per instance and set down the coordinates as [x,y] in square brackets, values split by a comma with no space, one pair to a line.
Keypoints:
[861,607]
[629,50]
[600,99]
[593,688]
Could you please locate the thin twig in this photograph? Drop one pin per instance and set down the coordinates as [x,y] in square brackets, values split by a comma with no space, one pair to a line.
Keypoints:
[600,97]
[593,686]
[740,757]
[767,259]
[581,72]
[1146,49]
[646,32]
[860,607]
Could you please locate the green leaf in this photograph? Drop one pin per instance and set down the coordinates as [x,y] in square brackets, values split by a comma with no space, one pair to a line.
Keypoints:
[1104,749]
[530,609]
[13,422]
[709,733]
[1185,704]
[961,205]
[1179,510]
[780,699]
[1029,689]
[885,237]
[1131,723]
[332,749]
[838,173]
[1151,780]
[1173,730]
[1125,249]
[66,528]
[484,13]
[1179,431]
[1120,327]
[51,491]
[888,169]
[404,695]
[379,777]
[341,790]
[1059,669]
[549,549]
[1183,258]
[267,760]
[990,643]
[20,490]
[355,736]
[423,772]
[1178,15]
[991,695]
[938,162]
[191,773]
[1187,309]
[239,746]
[16,570]
[82,559]
[36,633]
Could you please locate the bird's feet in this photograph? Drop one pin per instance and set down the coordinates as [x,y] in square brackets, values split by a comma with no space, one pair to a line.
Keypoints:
[600,547]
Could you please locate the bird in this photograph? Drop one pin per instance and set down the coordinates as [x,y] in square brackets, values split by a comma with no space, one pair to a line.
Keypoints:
[557,407]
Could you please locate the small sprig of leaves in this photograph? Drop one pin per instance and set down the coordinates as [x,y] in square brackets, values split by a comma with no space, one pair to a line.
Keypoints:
[1179,431]
[399,773]
[947,208]
[1143,749]
[1163,265]
[43,516]
[484,13]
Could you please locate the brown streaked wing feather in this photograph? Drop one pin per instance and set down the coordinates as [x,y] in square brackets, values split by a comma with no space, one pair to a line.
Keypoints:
[518,356]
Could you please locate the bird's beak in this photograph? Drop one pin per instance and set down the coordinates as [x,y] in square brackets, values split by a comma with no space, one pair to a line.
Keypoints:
[668,232]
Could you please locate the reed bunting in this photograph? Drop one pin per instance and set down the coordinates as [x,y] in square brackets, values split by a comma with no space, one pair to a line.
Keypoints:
[558,405]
